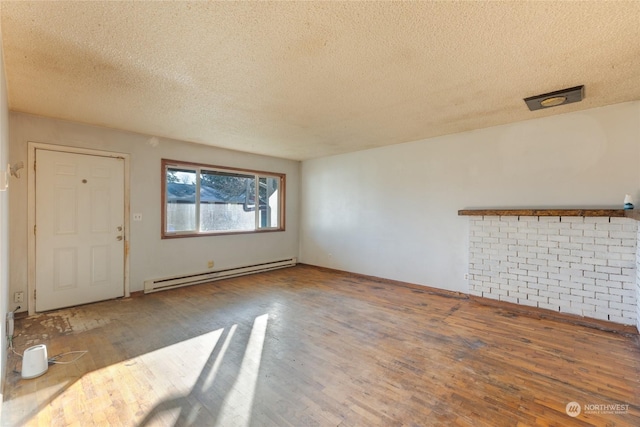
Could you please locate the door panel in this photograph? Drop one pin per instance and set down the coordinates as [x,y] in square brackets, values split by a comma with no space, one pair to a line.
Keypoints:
[79,229]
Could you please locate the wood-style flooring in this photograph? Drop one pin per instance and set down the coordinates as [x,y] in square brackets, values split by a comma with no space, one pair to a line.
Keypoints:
[310,347]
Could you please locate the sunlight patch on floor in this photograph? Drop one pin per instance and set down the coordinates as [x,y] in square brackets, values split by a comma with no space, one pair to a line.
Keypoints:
[236,409]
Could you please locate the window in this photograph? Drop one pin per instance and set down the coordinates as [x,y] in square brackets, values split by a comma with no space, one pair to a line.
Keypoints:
[200,200]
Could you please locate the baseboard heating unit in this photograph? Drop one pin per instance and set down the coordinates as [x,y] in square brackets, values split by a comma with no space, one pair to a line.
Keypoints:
[155,285]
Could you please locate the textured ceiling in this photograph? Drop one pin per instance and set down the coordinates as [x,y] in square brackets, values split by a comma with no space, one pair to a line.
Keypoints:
[306,79]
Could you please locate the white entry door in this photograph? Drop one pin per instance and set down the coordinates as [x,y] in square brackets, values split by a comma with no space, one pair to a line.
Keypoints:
[79,230]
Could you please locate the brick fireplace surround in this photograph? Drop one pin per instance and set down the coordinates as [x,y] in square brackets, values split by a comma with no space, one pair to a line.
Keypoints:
[578,261]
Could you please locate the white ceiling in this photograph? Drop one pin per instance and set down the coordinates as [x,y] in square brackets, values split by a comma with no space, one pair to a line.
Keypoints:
[306,79]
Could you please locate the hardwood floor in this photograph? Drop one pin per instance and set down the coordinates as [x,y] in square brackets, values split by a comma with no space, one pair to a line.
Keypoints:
[309,347]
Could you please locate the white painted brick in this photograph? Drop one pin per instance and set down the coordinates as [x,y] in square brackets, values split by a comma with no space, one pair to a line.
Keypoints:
[537,261]
[559,238]
[621,278]
[596,302]
[560,277]
[620,306]
[573,233]
[552,307]
[560,225]
[528,279]
[600,315]
[508,276]
[539,274]
[620,319]
[573,219]
[611,255]
[519,295]
[559,251]
[583,267]
[571,272]
[526,242]
[605,296]
[538,250]
[570,310]
[537,237]
[547,257]
[549,294]
[559,264]
[609,227]
[594,261]
[517,235]
[547,244]
[601,236]
[548,282]
[630,227]
[595,248]
[630,235]
[584,307]
[609,270]
[587,294]
[571,298]
[621,220]
[549,270]
[621,292]
[508,299]
[549,231]
[628,271]
[596,220]
[569,258]
[583,280]
[530,303]
[629,300]
[498,291]
[508,241]
[596,275]
[582,254]
[629,314]
[549,219]
[528,218]
[558,302]
[625,265]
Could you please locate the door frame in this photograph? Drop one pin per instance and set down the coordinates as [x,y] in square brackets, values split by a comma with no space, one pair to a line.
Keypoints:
[31,208]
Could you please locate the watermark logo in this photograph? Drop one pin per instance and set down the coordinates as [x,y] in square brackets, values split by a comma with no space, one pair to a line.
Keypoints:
[573,409]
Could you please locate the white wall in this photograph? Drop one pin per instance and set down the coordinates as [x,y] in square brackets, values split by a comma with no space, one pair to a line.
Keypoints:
[392,212]
[152,257]
[4,221]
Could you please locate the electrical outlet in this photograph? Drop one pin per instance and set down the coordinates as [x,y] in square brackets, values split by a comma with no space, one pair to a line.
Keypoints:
[137,217]
[210,264]
[18,297]
[466,276]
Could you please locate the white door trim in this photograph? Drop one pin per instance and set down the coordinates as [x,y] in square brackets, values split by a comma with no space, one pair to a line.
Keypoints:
[31,209]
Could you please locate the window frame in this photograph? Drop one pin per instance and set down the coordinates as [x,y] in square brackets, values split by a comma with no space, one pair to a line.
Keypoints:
[165,164]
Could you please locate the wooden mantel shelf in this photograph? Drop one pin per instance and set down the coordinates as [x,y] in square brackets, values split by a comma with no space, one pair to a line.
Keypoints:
[619,213]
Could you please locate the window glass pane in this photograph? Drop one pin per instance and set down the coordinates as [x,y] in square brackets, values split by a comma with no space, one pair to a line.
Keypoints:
[269,202]
[227,201]
[181,200]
